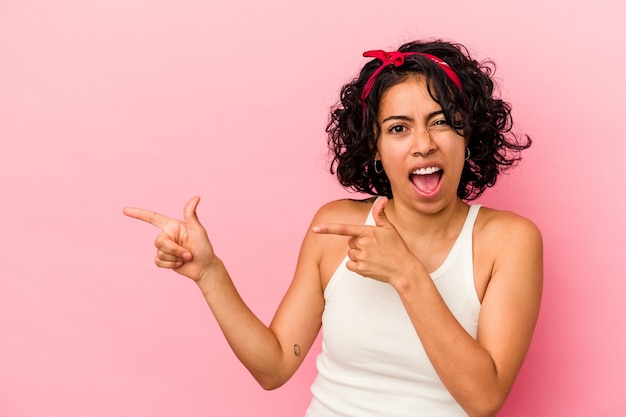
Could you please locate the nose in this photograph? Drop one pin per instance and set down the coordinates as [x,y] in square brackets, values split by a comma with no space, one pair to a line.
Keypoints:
[423,144]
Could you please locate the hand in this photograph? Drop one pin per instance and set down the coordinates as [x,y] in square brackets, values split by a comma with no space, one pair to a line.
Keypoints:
[377,252]
[182,245]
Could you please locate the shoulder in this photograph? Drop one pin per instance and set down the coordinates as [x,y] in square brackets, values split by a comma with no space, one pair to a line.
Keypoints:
[508,240]
[508,265]
[500,227]
[346,211]
[328,250]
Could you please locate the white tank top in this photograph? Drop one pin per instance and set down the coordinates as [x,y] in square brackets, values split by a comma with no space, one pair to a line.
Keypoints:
[372,362]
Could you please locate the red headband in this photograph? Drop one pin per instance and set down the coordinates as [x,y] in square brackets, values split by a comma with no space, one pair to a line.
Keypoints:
[396,59]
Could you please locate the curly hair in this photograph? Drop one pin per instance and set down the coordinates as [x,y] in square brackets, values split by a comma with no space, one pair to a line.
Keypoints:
[483,119]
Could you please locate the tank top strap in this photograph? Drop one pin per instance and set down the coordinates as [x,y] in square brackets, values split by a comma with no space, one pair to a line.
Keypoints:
[463,240]
[468,226]
[369,221]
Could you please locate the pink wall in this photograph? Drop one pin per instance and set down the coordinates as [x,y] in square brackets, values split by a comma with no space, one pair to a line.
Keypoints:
[111,103]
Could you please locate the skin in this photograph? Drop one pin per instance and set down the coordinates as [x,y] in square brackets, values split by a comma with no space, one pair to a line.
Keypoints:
[412,236]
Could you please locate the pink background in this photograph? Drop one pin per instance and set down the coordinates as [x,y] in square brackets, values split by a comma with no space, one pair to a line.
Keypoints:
[107,103]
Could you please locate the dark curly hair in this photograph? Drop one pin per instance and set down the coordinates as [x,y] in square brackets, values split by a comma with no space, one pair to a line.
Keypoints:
[484,120]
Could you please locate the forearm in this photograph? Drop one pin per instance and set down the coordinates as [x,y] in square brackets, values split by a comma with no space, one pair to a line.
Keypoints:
[254,343]
[465,367]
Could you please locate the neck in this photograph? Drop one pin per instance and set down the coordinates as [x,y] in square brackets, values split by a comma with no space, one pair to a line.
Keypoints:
[413,223]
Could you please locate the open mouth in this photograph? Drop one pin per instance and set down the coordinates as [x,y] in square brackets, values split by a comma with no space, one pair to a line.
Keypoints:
[427,179]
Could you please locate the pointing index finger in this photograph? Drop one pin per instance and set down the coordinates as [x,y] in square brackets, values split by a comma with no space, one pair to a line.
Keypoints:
[147,216]
[339,229]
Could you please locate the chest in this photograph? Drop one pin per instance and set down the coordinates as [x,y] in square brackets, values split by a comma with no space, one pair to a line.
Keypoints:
[367,330]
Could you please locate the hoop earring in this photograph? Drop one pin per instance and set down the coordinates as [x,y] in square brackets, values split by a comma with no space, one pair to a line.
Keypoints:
[381,167]
[467,153]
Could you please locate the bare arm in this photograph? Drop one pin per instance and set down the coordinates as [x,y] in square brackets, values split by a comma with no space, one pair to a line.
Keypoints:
[478,373]
[269,353]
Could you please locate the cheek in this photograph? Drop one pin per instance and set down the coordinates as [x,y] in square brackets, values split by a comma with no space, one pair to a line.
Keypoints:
[457,147]
[386,151]
[393,164]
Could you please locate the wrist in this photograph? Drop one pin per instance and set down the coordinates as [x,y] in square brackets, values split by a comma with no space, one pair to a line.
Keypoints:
[408,276]
[209,276]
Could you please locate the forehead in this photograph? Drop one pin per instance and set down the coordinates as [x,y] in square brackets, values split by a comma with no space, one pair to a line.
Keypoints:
[408,96]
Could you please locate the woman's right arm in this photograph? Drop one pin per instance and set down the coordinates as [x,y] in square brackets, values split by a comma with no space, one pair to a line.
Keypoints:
[271,353]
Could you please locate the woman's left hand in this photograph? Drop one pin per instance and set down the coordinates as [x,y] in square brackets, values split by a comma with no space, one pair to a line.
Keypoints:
[377,252]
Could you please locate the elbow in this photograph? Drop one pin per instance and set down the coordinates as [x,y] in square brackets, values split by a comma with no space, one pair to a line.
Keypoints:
[483,413]
[273,376]
[270,383]
[270,386]
[486,407]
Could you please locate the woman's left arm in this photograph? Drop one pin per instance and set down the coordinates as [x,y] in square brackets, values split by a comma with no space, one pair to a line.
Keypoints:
[480,373]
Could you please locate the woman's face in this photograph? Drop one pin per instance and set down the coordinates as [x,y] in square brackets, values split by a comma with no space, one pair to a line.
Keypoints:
[422,155]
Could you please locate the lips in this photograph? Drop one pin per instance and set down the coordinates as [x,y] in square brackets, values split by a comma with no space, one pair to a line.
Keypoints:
[426,180]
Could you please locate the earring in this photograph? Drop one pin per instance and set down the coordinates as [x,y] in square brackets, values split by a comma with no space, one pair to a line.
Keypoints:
[467,153]
[381,167]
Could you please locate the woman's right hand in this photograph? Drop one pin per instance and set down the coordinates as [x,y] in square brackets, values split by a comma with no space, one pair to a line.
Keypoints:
[182,246]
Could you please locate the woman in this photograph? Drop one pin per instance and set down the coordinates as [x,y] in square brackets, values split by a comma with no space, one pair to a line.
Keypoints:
[428,303]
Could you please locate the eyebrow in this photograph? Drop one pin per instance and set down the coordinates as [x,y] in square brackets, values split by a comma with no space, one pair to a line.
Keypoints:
[410,119]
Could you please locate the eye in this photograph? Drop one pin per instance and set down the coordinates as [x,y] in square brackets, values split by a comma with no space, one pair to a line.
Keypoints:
[397,129]
[439,124]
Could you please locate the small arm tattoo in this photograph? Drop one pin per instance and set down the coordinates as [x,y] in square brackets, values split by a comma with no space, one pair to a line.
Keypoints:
[296,350]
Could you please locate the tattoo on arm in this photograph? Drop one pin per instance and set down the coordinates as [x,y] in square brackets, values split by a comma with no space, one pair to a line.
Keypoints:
[296,350]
